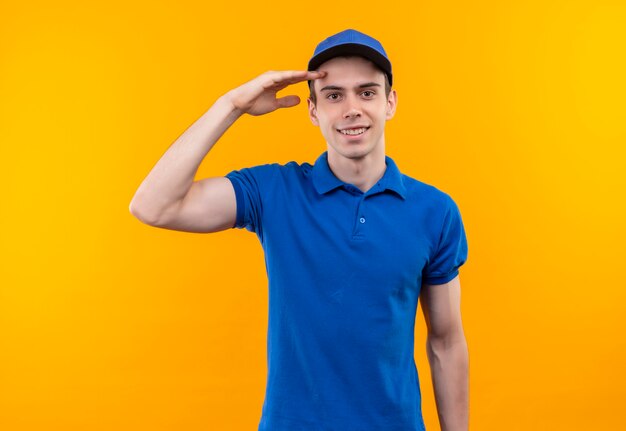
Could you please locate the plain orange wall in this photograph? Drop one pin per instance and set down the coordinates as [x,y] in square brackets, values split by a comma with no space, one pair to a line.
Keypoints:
[516,109]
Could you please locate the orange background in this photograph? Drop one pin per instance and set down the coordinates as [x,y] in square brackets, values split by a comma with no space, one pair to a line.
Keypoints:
[516,109]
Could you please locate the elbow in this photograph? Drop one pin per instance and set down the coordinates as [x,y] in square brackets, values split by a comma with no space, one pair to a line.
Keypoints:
[141,214]
[442,350]
[446,341]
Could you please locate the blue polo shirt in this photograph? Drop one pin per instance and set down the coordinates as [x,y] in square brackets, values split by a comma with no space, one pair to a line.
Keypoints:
[345,270]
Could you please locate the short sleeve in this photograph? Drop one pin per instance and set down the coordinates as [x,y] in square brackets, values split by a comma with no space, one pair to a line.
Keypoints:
[452,250]
[249,184]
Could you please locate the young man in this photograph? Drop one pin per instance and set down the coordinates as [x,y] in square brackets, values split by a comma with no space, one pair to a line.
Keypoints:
[350,245]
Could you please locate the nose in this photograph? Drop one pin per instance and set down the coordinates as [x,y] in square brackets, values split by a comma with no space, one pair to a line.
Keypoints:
[352,108]
[352,113]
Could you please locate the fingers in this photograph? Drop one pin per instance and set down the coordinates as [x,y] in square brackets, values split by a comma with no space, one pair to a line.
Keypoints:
[287,101]
[284,78]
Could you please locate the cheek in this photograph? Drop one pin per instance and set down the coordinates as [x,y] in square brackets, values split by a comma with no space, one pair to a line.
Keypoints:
[324,120]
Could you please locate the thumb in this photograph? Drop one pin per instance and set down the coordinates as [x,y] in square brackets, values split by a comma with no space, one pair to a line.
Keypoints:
[287,101]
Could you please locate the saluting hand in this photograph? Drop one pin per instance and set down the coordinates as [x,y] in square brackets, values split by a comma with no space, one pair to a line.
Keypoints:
[258,96]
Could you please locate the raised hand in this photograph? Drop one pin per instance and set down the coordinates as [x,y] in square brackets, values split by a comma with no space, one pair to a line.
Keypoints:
[258,96]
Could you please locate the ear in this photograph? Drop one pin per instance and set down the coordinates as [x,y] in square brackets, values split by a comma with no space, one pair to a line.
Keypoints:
[392,102]
[312,112]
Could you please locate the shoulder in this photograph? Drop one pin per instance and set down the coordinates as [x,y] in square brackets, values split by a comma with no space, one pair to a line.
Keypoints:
[269,174]
[274,168]
[427,194]
[294,166]
[292,170]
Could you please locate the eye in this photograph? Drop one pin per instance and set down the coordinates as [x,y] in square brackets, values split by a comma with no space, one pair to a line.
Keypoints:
[331,96]
[368,93]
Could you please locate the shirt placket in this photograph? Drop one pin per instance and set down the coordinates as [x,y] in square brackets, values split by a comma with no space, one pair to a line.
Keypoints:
[358,231]
[360,214]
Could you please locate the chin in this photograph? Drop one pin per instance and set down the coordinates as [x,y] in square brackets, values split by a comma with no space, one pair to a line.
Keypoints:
[358,153]
[354,153]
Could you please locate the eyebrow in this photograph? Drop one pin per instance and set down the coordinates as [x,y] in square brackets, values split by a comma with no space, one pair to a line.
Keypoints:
[367,84]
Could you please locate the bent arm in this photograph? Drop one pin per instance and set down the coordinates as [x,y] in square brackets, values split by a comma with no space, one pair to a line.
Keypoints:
[170,180]
[169,197]
[447,352]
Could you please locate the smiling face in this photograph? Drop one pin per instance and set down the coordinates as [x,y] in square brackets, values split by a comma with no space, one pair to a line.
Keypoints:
[351,107]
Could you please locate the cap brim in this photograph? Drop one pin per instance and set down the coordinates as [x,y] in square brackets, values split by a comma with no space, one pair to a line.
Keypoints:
[352,49]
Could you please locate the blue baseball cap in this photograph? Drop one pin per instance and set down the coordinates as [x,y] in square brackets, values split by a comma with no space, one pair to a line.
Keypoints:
[351,42]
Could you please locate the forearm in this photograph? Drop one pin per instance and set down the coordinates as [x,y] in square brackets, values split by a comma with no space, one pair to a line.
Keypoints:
[449,365]
[171,178]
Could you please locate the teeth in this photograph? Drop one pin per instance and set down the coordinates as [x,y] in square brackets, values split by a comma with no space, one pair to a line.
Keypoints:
[353,131]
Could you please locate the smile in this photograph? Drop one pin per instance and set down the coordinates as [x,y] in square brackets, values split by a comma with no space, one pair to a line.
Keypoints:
[353,132]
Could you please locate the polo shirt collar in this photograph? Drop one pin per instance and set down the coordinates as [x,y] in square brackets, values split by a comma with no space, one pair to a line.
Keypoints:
[325,180]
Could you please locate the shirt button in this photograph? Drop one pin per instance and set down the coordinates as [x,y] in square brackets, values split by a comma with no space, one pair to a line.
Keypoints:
[362,219]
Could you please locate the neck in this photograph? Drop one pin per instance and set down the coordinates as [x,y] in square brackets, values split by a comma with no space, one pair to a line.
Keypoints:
[362,172]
